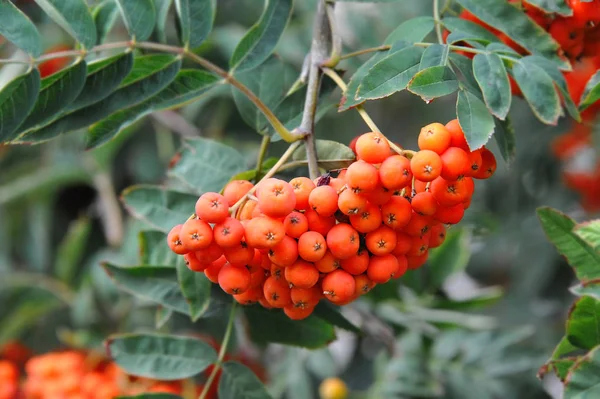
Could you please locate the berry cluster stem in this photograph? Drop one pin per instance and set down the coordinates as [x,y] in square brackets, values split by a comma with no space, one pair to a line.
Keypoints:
[222,352]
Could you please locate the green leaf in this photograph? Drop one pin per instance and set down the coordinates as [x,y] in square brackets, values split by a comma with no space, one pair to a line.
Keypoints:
[153,283]
[559,229]
[158,206]
[160,357]
[433,82]
[434,55]
[460,25]
[150,75]
[562,366]
[56,96]
[329,313]
[485,297]
[491,75]
[331,154]
[162,13]
[513,22]
[260,41]
[538,89]
[559,80]
[189,85]
[195,287]
[196,18]
[274,326]
[270,83]
[583,379]
[26,314]
[139,17]
[583,324]
[154,250]
[162,316]
[18,29]
[71,250]
[553,6]
[505,139]
[105,15]
[411,31]
[591,94]
[152,396]
[17,99]
[590,233]
[74,17]
[451,257]
[474,119]
[590,288]
[207,165]
[390,75]
[239,382]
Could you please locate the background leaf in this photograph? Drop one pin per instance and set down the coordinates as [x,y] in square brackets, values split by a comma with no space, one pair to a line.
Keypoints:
[329,313]
[583,379]
[105,15]
[260,41]
[74,17]
[196,19]
[154,250]
[331,154]
[17,99]
[451,257]
[161,357]
[195,287]
[18,29]
[492,77]
[474,119]
[591,94]
[139,17]
[504,134]
[238,381]
[433,82]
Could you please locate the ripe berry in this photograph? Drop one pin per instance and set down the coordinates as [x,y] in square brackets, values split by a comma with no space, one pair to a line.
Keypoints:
[285,253]
[363,284]
[402,266]
[323,200]
[457,136]
[418,225]
[312,246]
[396,213]
[297,312]
[356,264]
[449,193]
[350,203]
[212,207]
[305,297]
[251,296]
[434,137]
[424,203]
[209,254]
[228,233]
[193,264]
[301,274]
[368,219]
[196,234]
[302,188]
[438,235]
[277,292]
[264,232]
[327,263]
[381,241]
[475,161]
[247,210]
[320,224]
[419,245]
[174,240]
[338,286]
[276,198]
[455,163]
[234,280]
[395,172]
[235,190]
[403,244]
[488,165]
[586,14]
[372,147]
[426,165]
[343,241]
[450,214]
[240,254]
[378,196]
[414,262]
[382,268]
[362,177]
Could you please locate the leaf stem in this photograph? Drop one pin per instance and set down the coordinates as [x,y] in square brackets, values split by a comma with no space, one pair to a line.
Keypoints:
[437,21]
[222,352]
[359,108]
[262,153]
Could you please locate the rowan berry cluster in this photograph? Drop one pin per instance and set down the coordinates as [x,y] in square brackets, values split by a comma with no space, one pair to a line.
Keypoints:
[295,243]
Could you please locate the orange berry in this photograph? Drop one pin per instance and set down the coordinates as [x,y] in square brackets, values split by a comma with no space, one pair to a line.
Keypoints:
[235,190]
[449,193]
[234,280]
[295,224]
[403,244]
[302,188]
[343,241]
[305,297]
[351,203]
[395,172]
[455,164]
[438,235]
[424,203]
[323,200]
[419,245]
[372,147]
[312,246]
[362,177]
[251,296]
[276,198]
[276,271]
[488,165]
[368,219]
[475,161]
[378,196]
[352,144]
[212,270]
[585,14]
[228,233]
[196,234]
[301,274]
[382,268]
[356,264]
[327,263]
[285,253]
[320,224]
[426,165]
[212,207]
[297,312]
[402,266]
[337,183]
[362,284]
[450,214]
[381,241]
[209,254]
[457,136]
[258,278]
[192,262]
[264,232]
[396,213]
[418,225]
[174,240]
[247,210]
[434,137]
[240,254]
[414,262]
[338,286]
[277,292]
